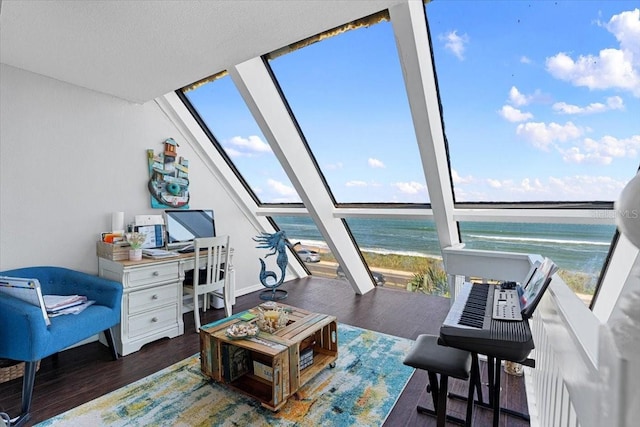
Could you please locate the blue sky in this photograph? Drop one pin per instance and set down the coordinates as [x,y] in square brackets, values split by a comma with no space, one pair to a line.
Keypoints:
[559,107]
[541,101]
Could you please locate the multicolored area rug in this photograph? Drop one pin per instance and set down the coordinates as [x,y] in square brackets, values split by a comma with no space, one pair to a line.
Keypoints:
[360,391]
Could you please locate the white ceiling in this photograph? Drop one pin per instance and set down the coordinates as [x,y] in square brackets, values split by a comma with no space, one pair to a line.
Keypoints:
[139,50]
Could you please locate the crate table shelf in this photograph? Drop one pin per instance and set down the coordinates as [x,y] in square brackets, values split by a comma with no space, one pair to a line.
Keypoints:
[268,367]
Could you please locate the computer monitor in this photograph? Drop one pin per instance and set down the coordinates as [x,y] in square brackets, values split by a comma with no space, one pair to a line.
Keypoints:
[185,225]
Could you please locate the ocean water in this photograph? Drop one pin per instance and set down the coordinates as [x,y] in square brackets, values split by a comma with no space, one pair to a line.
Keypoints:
[572,247]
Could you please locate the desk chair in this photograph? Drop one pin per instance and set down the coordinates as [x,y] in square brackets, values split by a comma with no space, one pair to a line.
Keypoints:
[210,276]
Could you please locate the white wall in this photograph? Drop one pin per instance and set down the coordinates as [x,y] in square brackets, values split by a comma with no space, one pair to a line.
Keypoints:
[70,156]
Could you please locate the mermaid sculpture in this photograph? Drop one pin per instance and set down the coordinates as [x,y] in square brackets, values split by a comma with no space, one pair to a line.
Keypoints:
[278,243]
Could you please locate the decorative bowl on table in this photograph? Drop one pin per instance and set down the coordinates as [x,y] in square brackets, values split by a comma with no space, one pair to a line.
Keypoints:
[242,330]
[271,320]
[269,305]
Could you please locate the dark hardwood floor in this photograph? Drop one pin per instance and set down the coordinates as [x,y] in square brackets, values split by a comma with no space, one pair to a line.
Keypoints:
[81,374]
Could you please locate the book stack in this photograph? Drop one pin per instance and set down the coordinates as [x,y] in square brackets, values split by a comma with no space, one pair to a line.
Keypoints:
[306,358]
[235,361]
[65,304]
[158,253]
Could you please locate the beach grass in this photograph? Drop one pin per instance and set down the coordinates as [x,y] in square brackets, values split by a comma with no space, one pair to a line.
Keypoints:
[405,263]
[580,283]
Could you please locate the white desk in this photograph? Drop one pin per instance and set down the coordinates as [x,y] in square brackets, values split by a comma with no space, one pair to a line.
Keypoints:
[152,298]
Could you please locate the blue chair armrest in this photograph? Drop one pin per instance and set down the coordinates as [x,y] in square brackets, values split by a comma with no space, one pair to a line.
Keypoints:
[18,319]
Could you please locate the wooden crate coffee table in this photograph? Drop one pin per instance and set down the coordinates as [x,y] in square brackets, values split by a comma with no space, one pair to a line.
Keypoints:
[270,367]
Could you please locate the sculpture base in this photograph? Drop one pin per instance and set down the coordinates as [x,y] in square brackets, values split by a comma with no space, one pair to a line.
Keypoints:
[273,295]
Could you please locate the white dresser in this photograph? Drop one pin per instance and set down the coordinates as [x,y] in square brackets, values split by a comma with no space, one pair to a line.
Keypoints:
[151,300]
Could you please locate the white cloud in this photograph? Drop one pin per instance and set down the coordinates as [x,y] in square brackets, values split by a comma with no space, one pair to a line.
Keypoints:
[455,44]
[613,103]
[495,183]
[517,98]
[356,184]
[610,68]
[513,114]
[564,108]
[525,60]
[529,185]
[602,151]
[572,188]
[375,163]
[231,152]
[585,187]
[247,146]
[526,189]
[574,155]
[281,188]
[541,135]
[457,179]
[334,166]
[626,28]
[412,187]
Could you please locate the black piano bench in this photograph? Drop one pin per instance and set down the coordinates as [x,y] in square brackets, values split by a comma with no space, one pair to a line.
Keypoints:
[428,355]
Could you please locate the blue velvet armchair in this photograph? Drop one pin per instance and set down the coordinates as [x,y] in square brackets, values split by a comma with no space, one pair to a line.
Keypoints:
[24,335]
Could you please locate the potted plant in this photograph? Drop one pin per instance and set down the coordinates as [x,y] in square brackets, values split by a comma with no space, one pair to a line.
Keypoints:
[135,241]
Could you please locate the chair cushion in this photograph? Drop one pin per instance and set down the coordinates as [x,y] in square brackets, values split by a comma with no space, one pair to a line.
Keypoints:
[430,356]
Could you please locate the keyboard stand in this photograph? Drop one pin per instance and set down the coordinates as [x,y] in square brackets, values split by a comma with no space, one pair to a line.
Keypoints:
[494,368]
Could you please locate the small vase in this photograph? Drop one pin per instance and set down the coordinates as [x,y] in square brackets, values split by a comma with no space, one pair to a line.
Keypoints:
[513,368]
[135,254]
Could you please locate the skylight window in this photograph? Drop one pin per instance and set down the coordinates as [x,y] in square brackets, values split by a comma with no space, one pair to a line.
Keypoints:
[347,94]
[579,250]
[540,99]
[531,123]
[226,116]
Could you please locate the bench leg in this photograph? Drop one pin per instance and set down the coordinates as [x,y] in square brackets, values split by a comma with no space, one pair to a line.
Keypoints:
[112,344]
[474,381]
[439,394]
[28,381]
[441,409]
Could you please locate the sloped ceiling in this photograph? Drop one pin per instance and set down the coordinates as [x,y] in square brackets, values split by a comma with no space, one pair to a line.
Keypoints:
[139,50]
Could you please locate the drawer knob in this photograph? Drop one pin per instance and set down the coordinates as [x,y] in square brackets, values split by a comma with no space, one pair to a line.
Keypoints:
[155,273]
[154,319]
[154,296]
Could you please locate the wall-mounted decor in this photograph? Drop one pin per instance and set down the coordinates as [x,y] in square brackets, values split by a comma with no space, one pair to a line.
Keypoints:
[168,177]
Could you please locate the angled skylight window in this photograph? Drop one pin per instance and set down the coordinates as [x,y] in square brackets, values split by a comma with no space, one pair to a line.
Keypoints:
[540,100]
[348,97]
[579,250]
[226,115]
[402,253]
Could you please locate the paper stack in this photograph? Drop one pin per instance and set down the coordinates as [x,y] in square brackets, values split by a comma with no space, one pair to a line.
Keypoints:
[65,304]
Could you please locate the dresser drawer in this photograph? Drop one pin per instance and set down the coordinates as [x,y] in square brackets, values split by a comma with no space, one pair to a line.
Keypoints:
[151,298]
[152,321]
[153,274]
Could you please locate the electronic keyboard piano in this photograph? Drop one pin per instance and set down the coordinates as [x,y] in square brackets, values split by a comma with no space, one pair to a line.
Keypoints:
[470,326]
